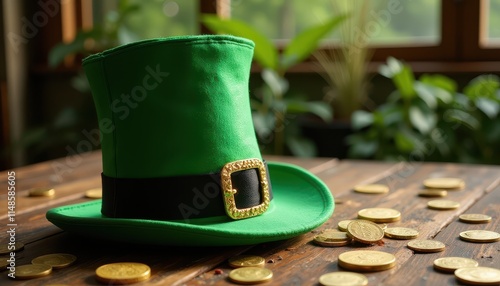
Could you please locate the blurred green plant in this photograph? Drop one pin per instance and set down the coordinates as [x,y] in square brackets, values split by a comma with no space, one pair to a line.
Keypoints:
[273,108]
[429,119]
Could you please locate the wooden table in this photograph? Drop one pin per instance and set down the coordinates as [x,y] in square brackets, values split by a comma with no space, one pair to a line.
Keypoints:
[294,262]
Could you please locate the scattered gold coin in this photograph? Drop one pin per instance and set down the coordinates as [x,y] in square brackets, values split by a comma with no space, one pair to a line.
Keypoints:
[450,264]
[383,226]
[339,201]
[30,271]
[366,260]
[250,275]
[480,236]
[433,193]
[56,260]
[444,183]
[401,233]
[6,248]
[246,261]
[443,204]
[478,275]
[474,218]
[343,278]
[379,214]
[372,189]
[342,225]
[94,193]
[42,192]
[332,238]
[426,245]
[365,231]
[123,273]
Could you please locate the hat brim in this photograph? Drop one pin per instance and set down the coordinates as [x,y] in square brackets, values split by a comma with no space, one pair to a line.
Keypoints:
[301,203]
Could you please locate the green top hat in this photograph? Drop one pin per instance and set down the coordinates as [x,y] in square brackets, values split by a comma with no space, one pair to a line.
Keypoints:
[181,163]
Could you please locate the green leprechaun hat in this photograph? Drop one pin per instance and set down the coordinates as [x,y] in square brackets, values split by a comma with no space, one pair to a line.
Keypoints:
[181,163]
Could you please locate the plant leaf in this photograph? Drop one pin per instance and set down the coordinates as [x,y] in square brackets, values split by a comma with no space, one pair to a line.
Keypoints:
[422,118]
[403,143]
[426,93]
[265,52]
[61,50]
[401,75]
[307,41]
[318,108]
[300,146]
[440,81]
[483,86]
[277,84]
[488,107]
[361,119]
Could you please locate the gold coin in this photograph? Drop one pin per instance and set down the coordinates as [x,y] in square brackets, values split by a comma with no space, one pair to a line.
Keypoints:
[342,225]
[383,226]
[442,205]
[478,275]
[6,248]
[426,245]
[433,193]
[343,278]
[332,238]
[326,243]
[480,236]
[444,183]
[366,260]
[94,193]
[246,260]
[474,218]
[30,271]
[250,275]
[365,231]
[56,260]
[379,214]
[401,233]
[42,192]
[450,264]
[123,273]
[372,189]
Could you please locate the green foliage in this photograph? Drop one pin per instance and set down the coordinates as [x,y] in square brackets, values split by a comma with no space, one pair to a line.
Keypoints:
[428,119]
[273,109]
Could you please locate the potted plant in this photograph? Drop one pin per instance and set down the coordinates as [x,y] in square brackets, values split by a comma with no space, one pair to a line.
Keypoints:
[429,119]
[344,68]
[273,110]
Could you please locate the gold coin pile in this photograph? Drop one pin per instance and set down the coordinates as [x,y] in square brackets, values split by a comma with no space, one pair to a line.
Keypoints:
[372,189]
[43,265]
[401,233]
[94,193]
[480,236]
[365,231]
[246,261]
[426,245]
[332,238]
[444,183]
[443,204]
[366,260]
[342,225]
[343,278]
[450,264]
[42,192]
[123,273]
[474,218]
[478,275]
[250,275]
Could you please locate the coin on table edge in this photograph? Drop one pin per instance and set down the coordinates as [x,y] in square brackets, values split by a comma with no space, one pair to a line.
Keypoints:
[246,261]
[42,192]
[30,271]
[56,260]
[343,278]
[94,193]
[250,275]
[450,264]
[474,218]
[444,183]
[401,233]
[371,189]
[478,275]
[365,231]
[433,193]
[426,245]
[123,272]
[379,215]
[480,235]
[5,247]
[342,225]
[374,260]
[443,204]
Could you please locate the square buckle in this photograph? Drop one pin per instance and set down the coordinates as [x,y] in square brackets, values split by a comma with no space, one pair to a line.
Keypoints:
[228,191]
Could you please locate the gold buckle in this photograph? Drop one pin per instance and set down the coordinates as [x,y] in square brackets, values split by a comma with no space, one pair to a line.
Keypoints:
[228,191]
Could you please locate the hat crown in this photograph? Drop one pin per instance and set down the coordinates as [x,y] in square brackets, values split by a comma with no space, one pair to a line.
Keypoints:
[173,106]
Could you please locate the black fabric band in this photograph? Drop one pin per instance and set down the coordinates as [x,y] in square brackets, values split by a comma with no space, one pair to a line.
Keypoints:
[177,198]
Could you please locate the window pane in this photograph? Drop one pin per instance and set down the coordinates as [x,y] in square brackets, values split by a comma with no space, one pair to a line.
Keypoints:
[388,22]
[150,19]
[491,10]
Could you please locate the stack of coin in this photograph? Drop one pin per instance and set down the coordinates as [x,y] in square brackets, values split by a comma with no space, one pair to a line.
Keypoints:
[246,261]
[343,278]
[365,231]
[42,192]
[94,193]
[426,245]
[401,233]
[123,273]
[478,275]
[379,215]
[474,218]
[332,238]
[450,264]
[250,275]
[444,183]
[372,189]
[366,260]
[480,236]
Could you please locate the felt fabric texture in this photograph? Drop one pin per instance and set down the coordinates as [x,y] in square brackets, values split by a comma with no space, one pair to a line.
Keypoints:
[181,106]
